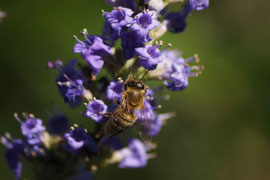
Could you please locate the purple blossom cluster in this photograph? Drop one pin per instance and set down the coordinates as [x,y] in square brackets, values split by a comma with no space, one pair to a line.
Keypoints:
[133,31]
[96,82]
[32,129]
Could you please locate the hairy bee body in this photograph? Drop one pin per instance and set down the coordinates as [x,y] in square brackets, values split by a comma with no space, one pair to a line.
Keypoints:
[124,117]
[119,122]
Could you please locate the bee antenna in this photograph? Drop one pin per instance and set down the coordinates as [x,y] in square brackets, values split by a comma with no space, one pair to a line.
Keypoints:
[144,74]
[132,72]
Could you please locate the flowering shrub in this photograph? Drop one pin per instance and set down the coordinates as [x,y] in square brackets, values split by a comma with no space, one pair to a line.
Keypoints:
[64,152]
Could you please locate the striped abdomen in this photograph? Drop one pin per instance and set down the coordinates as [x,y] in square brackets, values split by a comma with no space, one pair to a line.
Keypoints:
[119,122]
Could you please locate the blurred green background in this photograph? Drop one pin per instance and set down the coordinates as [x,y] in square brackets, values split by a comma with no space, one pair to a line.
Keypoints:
[222,130]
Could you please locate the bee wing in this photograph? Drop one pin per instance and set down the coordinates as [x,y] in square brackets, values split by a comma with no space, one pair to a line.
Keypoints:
[142,126]
[123,103]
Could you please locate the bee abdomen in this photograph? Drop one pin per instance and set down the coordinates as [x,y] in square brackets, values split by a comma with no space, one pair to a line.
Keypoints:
[118,123]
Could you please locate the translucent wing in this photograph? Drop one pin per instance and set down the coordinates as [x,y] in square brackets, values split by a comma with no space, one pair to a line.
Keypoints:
[142,126]
[123,103]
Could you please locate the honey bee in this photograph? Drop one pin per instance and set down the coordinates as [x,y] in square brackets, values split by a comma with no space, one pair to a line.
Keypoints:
[132,99]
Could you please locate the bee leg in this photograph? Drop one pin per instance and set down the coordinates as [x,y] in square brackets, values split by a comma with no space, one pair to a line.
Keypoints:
[146,89]
[107,114]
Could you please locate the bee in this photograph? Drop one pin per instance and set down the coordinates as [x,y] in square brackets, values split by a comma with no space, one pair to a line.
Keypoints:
[132,99]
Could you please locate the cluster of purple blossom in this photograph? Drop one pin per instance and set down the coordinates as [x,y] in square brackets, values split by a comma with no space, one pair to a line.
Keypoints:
[70,152]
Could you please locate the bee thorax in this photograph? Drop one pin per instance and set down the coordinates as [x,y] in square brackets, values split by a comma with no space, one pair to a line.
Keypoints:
[135,97]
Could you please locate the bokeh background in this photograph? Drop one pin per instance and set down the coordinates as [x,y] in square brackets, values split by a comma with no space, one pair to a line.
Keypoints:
[222,130]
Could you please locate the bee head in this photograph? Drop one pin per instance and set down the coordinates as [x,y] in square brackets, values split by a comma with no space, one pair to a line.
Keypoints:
[136,84]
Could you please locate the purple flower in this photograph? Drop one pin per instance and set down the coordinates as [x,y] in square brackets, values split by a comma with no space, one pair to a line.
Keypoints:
[164,69]
[150,93]
[14,162]
[199,5]
[148,120]
[177,70]
[143,23]
[94,50]
[32,128]
[150,97]
[77,138]
[180,73]
[109,33]
[130,41]
[146,113]
[95,110]
[175,22]
[157,121]
[112,107]
[124,3]
[150,56]
[156,124]
[134,156]
[118,18]
[58,124]
[74,89]
[12,154]
[115,90]
[69,73]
